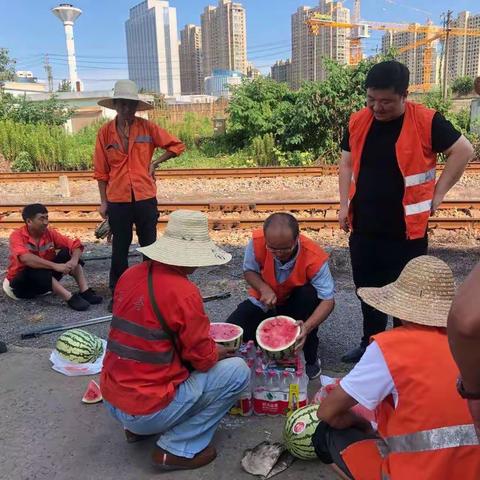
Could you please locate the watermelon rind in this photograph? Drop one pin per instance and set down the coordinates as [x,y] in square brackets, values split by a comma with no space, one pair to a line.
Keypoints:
[300,445]
[92,393]
[280,353]
[234,342]
[79,346]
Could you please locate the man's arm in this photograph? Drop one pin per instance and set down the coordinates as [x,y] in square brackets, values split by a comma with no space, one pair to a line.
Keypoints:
[344,179]
[162,139]
[34,261]
[101,171]
[102,188]
[458,155]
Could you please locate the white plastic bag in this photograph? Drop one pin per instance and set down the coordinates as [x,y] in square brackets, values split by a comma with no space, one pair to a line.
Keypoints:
[71,369]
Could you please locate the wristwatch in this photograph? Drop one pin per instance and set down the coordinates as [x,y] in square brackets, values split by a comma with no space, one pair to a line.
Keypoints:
[464,394]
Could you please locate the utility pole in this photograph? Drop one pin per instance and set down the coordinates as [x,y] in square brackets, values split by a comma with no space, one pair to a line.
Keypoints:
[48,71]
[446,26]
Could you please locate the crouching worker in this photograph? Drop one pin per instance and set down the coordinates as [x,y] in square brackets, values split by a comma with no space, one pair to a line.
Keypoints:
[408,375]
[289,275]
[163,374]
[40,256]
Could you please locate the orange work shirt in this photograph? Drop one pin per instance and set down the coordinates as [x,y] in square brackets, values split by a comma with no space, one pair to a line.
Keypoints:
[128,172]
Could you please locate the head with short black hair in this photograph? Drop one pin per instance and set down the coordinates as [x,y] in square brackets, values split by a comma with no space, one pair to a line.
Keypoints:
[35,216]
[30,211]
[281,232]
[387,90]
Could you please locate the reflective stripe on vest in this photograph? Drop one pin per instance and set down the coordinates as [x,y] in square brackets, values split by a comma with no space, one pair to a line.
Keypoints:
[137,330]
[435,439]
[419,178]
[143,356]
[420,207]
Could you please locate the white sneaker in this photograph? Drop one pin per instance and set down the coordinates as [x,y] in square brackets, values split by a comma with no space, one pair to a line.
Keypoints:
[8,290]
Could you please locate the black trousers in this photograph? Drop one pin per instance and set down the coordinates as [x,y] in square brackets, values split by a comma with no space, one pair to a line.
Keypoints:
[330,442]
[121,217]
[375,263]
[300,305]
[30,282]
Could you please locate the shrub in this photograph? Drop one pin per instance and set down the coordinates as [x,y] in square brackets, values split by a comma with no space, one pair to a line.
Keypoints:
[462,85]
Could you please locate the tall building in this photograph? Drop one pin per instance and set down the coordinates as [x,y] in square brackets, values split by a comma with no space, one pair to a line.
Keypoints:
[414,57]
[464,51]
[281,71]
[309,51]
[224,37]
[191,69]
[152,47]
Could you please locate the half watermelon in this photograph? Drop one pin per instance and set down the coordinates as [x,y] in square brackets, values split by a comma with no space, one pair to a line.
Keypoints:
[227,334]
[276,336]
[92,393]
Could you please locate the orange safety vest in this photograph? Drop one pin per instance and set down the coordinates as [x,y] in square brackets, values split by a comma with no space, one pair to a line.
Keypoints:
[310,259]
[429,435]
[415,158]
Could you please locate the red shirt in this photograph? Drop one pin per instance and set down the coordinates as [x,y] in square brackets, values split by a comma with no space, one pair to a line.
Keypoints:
[127,172]
[21,242]
[140,388]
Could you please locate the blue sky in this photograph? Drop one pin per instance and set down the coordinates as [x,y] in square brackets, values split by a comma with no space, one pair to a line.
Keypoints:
[29,30]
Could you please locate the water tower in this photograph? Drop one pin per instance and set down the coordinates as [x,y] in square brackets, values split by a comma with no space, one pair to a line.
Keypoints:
[68,14]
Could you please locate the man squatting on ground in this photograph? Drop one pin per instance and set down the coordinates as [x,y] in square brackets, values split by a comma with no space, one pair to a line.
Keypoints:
[40,256]
[387,183]
[289,275]
[125,172]
[163,373]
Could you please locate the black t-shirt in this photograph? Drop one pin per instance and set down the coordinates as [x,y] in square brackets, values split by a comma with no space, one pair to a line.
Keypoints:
[377,204]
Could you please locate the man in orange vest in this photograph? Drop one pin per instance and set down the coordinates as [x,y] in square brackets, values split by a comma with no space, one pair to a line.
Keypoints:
[163,374]
[289,275]
[407,375]
[387,183]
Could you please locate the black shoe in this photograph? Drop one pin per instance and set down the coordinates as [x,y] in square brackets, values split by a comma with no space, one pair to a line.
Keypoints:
[110,306]
[78,303]
[91,297]
[3,347]
[353,356]
[313,370]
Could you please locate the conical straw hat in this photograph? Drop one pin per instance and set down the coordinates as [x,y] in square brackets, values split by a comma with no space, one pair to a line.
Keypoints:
[186,242]
[422,294]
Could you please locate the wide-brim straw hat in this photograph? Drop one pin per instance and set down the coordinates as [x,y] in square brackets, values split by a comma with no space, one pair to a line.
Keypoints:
[186,243]
[126,90]
[422,294]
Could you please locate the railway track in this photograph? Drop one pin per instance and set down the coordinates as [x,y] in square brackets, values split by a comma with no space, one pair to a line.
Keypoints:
[206,173]
[240,215]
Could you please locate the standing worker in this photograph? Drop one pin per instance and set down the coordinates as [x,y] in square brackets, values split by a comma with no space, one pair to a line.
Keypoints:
[387,183]
[125,173]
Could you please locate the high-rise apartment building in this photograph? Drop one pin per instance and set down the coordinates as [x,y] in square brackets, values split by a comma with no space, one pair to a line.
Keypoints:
[224,37]
[191,69]
[152,47]
[464,50]
[309,51]
[414,57]
[281,71]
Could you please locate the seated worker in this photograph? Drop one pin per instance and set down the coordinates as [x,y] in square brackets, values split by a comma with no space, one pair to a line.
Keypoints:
[162,373]
[40,256]
[408,375]
[288,274]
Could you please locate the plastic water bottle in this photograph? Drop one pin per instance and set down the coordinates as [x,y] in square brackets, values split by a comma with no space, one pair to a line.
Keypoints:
[302,380]
[259,396]
[286,379]
[273,393]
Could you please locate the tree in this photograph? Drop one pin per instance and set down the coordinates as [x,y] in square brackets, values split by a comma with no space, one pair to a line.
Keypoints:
[64,86]
[462,85]
[7,66]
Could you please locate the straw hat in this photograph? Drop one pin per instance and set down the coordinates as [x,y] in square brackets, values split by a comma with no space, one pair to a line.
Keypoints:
[186,242]
[422,293]
[125,90]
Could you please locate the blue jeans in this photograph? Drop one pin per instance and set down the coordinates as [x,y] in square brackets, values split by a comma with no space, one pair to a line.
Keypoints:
[187,424]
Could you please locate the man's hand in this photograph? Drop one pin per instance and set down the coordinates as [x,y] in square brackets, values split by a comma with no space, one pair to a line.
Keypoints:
[63,268]
[268,297]
[102,209]
[437,200]
[343,219]
[72,264]
[301,337]
[224,352]
[151,170]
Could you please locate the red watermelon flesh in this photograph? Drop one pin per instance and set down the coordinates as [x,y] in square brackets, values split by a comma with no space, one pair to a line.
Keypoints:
[223,332]
[92,393]
[278,333]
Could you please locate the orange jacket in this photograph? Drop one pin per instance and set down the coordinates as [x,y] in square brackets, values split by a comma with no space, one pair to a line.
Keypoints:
[141,369]
[429,435]
[310,259]
[127,172]
[416,160]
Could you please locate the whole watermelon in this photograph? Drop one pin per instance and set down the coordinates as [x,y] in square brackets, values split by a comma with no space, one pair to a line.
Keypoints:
[79,346]
[298,432]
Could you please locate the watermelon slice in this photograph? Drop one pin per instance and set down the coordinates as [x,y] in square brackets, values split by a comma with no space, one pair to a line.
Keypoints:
[226,334]
[277,336]
[92,393]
